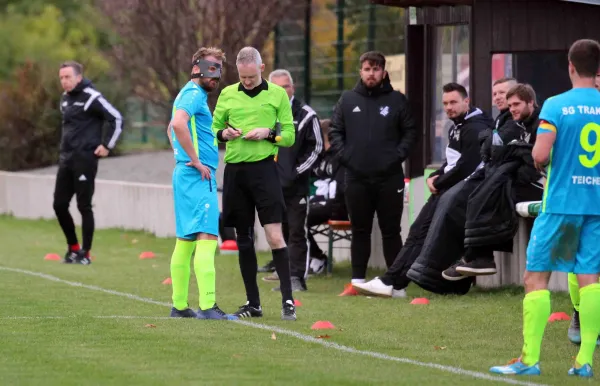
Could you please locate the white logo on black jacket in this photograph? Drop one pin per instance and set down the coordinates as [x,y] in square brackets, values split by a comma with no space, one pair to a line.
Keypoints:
[452,150]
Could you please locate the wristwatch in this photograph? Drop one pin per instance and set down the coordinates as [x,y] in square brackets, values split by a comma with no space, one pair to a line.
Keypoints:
[273,137]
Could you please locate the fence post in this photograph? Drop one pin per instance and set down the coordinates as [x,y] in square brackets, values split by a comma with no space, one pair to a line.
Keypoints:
[371,28]
[276,46]
[340,4]
[307,43]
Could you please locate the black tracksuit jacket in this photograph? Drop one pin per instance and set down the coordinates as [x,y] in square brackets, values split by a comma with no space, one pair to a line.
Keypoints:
[84,112]
[372,130]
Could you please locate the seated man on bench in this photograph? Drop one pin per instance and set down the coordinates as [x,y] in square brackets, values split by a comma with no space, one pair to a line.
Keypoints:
[328,202]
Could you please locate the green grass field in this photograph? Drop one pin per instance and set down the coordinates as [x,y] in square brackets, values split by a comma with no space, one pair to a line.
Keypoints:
[89,325]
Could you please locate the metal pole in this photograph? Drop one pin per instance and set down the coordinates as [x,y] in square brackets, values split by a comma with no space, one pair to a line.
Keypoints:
[371,28]
[307,43]
[276,46]
[340,4]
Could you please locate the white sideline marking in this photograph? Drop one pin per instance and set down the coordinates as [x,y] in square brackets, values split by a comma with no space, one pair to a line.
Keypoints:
[85,316]
[305,338]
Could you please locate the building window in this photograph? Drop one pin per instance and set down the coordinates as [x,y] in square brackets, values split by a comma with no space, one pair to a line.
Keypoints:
[450,64]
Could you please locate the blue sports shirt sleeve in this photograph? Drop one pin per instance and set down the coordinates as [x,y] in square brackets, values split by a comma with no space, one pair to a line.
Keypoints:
[549,117]
[191,102]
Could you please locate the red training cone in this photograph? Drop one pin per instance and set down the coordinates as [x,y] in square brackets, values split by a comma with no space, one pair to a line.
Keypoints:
[167,281]
[52,256]
[297,303]
[556,316]
[147,255]
[323,325]
[228,247]
[420,301]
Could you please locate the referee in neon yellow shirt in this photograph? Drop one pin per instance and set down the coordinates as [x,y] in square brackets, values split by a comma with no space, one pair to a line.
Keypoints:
[246,117]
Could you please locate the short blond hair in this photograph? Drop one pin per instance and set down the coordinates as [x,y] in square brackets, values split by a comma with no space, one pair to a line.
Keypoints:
[204,52]
[248,55]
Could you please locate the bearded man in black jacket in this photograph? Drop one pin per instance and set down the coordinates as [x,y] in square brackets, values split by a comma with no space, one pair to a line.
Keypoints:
[372,133]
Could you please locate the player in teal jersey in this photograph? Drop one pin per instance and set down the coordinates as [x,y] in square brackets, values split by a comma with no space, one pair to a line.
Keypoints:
[574,332]
[195,189]
[565,234]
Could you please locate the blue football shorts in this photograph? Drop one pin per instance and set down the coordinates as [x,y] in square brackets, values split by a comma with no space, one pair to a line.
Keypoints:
[196,202]
[565,243]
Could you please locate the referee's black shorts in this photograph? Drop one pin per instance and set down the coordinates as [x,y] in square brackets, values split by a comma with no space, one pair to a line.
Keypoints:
[250,186]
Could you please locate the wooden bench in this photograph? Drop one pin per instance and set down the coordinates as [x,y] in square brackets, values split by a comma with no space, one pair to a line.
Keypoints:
[334,230]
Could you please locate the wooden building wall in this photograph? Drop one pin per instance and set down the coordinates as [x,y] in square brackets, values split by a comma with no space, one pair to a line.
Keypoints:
[524,25]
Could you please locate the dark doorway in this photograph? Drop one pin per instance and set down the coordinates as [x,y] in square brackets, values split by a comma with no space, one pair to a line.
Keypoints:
[547,72]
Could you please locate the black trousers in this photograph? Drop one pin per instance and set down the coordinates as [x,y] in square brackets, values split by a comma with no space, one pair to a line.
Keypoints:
[76,178]
[295,233]
[364,198]
[445,241]
[396,274]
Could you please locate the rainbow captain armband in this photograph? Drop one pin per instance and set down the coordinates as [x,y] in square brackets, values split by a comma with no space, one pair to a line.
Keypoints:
[547,126]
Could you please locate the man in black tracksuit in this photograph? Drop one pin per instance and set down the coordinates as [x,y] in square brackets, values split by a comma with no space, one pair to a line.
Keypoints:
[84,112]
[294,165]
[373,132]
[462,159]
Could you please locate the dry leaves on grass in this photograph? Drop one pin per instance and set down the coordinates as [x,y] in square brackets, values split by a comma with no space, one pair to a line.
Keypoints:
[323,336]
[439,347]
[150,326]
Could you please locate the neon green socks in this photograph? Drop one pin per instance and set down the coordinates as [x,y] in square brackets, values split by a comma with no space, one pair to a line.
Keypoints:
[204,266]
[536,311]
[574,290]
[589,318]
[180,272]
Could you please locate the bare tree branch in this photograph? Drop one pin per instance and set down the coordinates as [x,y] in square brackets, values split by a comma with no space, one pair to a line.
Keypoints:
[159,37]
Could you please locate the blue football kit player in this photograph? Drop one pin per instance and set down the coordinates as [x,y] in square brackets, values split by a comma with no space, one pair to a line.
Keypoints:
[195,189]
[565,234]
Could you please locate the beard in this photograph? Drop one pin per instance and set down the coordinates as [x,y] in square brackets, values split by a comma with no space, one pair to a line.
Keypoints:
[209,84]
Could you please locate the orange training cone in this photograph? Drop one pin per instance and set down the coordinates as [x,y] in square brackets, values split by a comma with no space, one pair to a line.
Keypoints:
[147,255]
[556,316]
[167,281]
[349,291]
[297,303]
[52,257]
[323,325]
[420,301]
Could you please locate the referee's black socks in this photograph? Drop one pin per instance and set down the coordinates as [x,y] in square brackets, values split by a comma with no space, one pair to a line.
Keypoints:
[281,259]
[248,264]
